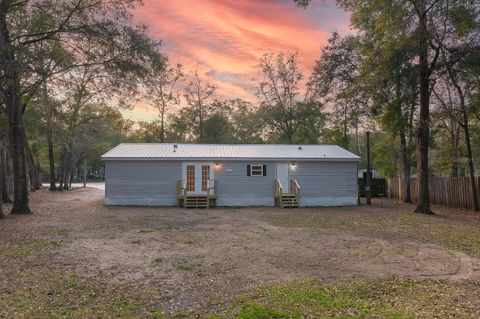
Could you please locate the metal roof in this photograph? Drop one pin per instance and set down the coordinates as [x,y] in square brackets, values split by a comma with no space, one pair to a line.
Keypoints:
[168,151]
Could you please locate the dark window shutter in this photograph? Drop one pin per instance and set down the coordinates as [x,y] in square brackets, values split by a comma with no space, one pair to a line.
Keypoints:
[264,170]
[249,170]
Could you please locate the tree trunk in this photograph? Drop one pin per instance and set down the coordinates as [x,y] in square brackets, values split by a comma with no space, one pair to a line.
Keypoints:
[2,170]
[357,142]
[345,127]
[51,160]
[200,124]
[11,93]
[455,136]
[32,166]
[66,170]
[470,162]
[468,144]
[6,178]
[405,167]
[62,168]
[162,126]
[423,131]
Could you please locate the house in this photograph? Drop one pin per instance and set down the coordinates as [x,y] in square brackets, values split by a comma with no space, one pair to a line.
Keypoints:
[204,175]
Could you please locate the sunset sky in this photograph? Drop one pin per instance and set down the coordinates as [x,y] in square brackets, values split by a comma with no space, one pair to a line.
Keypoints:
[225,39]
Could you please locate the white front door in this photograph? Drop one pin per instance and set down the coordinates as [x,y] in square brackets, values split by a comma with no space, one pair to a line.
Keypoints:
[198,177]
[282,176]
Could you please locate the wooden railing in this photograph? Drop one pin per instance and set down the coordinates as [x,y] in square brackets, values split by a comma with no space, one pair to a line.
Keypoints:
[211,187]
[278,191]
[182,188]
[295,188]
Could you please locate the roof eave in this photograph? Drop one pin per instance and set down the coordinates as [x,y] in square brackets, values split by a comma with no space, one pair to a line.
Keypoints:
[228,159]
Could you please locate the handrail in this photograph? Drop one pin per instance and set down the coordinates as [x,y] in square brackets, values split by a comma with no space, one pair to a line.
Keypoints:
[182,187]
[296,188]
[278,191]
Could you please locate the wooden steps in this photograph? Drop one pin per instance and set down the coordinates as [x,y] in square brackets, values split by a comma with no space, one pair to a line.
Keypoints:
[290,201]
[196,202]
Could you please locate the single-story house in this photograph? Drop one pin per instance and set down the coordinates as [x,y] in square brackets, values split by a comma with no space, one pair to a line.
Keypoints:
[203,175]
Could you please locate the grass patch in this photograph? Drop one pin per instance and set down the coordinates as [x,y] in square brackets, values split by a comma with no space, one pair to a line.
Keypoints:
[184,266]
[378,298]
[63,232]
[189,242]
[65,295]
[26,248]
[168,228]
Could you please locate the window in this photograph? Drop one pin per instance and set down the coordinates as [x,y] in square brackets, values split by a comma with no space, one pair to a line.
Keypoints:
[190,178]
[205,177]
[256,170]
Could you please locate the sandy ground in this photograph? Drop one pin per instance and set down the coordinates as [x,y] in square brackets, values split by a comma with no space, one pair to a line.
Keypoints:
[204,258]
[96,185]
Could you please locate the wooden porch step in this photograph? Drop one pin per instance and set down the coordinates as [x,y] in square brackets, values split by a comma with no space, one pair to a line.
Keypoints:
[196,202]
[289,201]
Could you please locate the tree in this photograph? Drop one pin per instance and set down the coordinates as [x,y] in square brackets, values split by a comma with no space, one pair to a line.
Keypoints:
[282,110]
[2,215]
[245,120]
[459,77]
[388,77]
[199,96]
[334,81]
[28,28]
[161,85]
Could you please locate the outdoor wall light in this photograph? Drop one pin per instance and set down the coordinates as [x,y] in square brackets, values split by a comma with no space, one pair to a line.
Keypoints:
[293,164]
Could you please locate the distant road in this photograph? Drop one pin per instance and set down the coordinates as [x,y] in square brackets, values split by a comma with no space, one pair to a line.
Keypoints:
[97,185]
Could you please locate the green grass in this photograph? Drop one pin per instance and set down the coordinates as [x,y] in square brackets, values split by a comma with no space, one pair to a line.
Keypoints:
[65,295]
[26,248]
[63,232]
[373,298]
[189,242]
[184,266]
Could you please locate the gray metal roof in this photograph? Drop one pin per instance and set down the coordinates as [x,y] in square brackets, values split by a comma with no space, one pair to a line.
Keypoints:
[168,151]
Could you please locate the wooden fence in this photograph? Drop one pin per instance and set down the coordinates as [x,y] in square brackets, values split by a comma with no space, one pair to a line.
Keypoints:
[452,192]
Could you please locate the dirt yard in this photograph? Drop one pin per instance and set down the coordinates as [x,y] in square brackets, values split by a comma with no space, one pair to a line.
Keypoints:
[74,257]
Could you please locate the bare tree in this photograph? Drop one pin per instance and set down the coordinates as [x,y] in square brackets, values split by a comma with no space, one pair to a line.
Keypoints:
[199,96]
[161,87]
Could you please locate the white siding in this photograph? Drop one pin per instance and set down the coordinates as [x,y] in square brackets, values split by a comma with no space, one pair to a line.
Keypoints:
[326,183]
[141,182]
[235,188]
[323,183]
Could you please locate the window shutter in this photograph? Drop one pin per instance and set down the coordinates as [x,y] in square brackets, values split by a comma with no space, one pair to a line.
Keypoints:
[249,170]
[264,170]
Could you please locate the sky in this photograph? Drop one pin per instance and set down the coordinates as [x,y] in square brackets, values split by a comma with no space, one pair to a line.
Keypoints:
[225,39]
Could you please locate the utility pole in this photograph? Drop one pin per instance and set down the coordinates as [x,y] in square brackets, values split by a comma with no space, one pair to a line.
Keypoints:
[368,185]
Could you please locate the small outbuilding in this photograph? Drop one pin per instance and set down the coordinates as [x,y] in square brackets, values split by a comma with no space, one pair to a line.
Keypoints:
[206,175]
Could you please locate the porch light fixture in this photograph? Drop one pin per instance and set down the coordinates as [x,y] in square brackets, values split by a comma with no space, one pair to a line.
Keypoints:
[293,164]
[217,164]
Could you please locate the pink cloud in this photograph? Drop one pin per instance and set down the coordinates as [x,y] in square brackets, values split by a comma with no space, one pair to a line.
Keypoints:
[225,39]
